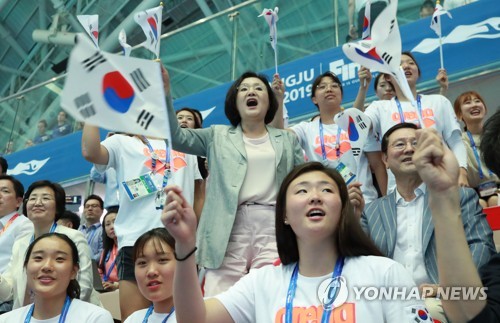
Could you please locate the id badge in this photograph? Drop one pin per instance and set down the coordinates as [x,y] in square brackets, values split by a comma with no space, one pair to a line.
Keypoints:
[160,199]
[345,172]
[487,188]
[139,187]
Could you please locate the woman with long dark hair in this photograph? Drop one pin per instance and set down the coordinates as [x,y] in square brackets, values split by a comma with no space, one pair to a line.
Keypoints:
[107,262]
[327,260]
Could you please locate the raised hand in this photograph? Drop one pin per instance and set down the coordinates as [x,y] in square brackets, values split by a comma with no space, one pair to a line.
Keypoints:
[278,88]
[166,80]
[435,162]
[356,197]
[365,77]
[179,218]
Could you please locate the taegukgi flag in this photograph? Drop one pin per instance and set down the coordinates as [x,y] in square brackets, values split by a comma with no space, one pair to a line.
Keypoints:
[122,39]
[436,18]
[150,22]
[91,25]
[366,21]
[271,17]
[115,92]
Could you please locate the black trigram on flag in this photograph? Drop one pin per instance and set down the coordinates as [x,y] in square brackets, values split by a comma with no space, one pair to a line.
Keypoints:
[84,105]
[139,80]
[356,151]
[144,119]
[90,63]
[360,122]
[387,58]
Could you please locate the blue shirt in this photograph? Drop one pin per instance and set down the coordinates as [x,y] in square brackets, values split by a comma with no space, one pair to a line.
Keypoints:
[93,234]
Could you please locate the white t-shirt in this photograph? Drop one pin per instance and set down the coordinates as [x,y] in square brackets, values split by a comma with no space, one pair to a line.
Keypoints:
[16,229]
[308,134]
[364,172]
[261,295]
[131,158]
[79,312]
[138,317]
[437,113]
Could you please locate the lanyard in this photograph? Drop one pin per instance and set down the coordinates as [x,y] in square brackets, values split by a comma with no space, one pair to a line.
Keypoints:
[52,229]
[154,158]
[12,219]
[110,269]
[401,114]
[476,155]
[150,310]
[325,318]
[322,140]
[62,318]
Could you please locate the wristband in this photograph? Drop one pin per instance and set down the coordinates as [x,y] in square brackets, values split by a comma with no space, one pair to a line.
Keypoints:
[187,256]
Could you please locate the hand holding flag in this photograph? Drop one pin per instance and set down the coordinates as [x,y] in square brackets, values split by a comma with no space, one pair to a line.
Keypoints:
[122,39]
[91,25]
[436,26]
[271,17]
[150,21]
[118,93]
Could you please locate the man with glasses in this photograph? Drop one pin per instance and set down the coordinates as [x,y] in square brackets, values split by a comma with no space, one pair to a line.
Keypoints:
[92,229]
[400,223]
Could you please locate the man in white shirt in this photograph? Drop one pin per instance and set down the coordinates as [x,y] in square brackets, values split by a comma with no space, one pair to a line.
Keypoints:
[401,224]
[12,224]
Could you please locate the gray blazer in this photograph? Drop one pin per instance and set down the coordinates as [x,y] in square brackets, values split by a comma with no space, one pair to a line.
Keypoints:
[225,150]
[379,221]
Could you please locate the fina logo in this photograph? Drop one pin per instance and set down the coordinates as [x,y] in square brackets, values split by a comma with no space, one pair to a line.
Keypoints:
[30,168]
[332,292]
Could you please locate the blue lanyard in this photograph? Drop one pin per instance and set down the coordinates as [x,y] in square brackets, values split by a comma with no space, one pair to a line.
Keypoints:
[325,318]
[62,318]
[401,114]
[108,273]
[476,155]
[52,229]
[154,158]
[322,140]
[150,310]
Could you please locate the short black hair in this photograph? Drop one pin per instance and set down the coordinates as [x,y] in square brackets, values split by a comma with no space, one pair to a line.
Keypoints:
[377,80]
[59,195]
[409,54]
[198,118]
[489,143]
[18,186]
[230,108]
[94,197]
[72,217]
[385,138]
[318,79]
[4,165]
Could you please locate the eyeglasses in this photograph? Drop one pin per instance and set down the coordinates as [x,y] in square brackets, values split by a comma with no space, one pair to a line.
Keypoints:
[43,199]
[88,206]
[324,86]
[401,144]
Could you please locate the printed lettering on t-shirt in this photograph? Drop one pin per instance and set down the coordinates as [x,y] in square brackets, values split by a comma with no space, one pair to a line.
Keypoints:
[178,160]
[345,313]
[330,142]
[412,117]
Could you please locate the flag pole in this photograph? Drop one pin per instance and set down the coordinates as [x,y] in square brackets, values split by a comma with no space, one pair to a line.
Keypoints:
[159,38]
[440,39]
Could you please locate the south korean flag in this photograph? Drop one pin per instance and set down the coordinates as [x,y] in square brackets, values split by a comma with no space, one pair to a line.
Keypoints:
[114,92]
[357,125]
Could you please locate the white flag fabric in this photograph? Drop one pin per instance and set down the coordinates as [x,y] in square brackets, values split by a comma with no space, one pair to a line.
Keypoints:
[115,92]
[383,51]
[357,125]
[122,39]
[91,25]
[271,17]
[366,21]
[436,18]
[150,22]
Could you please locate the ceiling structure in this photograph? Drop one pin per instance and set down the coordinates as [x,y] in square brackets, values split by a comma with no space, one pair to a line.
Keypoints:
[204,44]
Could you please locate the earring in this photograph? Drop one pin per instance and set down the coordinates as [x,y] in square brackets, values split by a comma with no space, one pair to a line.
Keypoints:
[286,222]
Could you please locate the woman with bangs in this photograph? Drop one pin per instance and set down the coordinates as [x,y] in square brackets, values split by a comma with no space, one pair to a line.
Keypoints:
[247,162]
[471,109]
[44,203]
[51,265]
[324,253]
[154,272]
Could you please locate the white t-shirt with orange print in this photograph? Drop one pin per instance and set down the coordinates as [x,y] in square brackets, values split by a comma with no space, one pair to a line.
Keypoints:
[131,158]
[437,113]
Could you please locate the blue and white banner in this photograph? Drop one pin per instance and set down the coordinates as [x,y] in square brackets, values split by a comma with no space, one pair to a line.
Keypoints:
[470,40]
